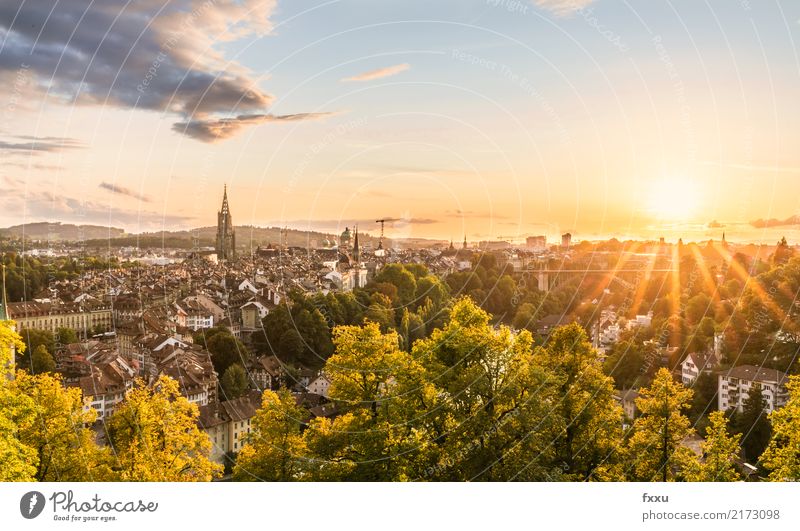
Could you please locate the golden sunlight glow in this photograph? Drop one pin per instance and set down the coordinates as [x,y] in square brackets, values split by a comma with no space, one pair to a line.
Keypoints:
[673,199]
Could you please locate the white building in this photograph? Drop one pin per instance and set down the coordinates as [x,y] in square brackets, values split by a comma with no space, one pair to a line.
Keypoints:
[735,385]
[695,363]
[320,385]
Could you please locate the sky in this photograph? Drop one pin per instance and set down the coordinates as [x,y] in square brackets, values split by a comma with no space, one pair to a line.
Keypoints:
[490,119]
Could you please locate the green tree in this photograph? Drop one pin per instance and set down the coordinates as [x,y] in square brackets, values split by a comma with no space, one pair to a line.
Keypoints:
[720,451]
[782,457]
[704,399]
[42,361]
[225,351]
[630,363]
[590,420]
[234,382]
[275,449]
[655,450]
[401,278]
[489,408]
[34,339]
[66,336]
[753,424]
[378,385]
[155,437]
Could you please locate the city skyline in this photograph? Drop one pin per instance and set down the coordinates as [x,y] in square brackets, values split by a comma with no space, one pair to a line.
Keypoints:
[496,119]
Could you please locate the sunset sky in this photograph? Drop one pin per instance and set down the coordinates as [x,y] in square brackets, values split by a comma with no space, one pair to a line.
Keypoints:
[490,118]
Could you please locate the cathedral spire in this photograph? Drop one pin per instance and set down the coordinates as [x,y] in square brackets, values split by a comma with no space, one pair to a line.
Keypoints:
[226,236]
[356,248]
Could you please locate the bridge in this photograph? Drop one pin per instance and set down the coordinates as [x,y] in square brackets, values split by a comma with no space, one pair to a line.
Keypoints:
[546,282]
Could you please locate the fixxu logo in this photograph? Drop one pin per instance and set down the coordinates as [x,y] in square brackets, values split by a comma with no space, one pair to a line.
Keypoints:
[31,504]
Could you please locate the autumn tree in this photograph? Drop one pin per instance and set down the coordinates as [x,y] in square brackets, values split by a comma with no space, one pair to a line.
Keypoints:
[155,437]
[720,450]
[782,457]
[377,385]
[56,428]
[590,420]
[19,461]
[488,413]
[275,449]
[655,450]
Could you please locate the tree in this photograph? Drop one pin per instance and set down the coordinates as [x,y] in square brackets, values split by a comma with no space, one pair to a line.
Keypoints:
[720,451]
[234,382]
[155,436]
[630,364]
[42,361]
[705,397]
[487,410]
[225,351]
[378,385]
[752,423]
[655,450]
[781,457]
[19,461]
[204,335]
[66,336]
[401,278]
[590,420]
[274,450]
[56,429]
[33,339]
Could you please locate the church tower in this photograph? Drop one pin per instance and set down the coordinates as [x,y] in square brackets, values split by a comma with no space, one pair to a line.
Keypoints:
[226,236]
[356,249]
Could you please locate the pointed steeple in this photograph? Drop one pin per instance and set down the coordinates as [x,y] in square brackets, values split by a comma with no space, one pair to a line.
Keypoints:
[225,207]
[356,247]
[465,241]
[226,236]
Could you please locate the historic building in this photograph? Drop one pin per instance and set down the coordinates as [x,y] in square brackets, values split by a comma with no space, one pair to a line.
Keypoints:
[226,236]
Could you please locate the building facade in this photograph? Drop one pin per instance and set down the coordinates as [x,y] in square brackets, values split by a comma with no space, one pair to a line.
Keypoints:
[735,385]
[51,317]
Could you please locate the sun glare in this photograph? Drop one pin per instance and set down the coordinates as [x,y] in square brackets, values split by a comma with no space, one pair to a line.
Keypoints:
[673,199]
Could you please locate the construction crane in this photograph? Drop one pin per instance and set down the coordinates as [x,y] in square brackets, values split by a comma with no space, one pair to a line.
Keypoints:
[383,223]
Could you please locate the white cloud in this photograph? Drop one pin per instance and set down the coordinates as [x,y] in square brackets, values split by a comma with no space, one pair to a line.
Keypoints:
[562,8]
[379,73]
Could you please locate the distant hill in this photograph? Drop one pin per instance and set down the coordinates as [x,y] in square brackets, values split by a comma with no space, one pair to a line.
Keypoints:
[61,232]
[246,236]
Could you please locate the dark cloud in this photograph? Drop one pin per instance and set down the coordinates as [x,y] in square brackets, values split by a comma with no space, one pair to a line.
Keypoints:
[157,55]
[34,144]
[121,190]
[767,223]
[220,129]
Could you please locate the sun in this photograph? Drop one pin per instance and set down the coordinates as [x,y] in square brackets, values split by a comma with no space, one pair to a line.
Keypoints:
[673,199]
